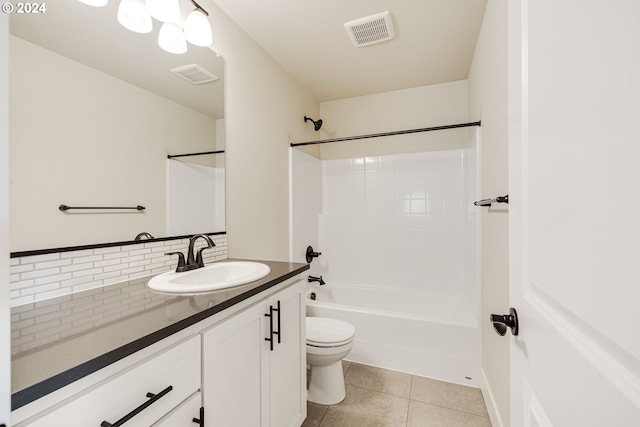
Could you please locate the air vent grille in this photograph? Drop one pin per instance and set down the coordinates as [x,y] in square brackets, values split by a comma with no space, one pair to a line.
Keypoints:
[371,29]
[195,74]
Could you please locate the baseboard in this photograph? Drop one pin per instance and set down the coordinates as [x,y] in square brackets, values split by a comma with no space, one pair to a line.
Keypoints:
[490,402]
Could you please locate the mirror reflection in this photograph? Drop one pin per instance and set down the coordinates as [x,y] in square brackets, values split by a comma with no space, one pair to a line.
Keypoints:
[95,110]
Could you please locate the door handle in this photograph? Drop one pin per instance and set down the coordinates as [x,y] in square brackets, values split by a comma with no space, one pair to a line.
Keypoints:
[502,322]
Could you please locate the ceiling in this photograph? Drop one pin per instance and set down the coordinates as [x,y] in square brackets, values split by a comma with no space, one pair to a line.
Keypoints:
[93,36]
[434,43]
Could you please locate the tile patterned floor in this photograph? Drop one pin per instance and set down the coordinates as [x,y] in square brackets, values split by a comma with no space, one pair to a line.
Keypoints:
[383,398]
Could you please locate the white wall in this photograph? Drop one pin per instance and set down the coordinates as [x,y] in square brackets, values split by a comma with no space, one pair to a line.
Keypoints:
[83,138]
[264,112]
[5,330]
[415,108]
[488,102]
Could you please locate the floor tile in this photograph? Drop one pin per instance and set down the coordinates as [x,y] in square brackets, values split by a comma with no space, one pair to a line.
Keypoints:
[346,366]
[315,413]
[367,408]
[424,414]
[384,380]
[448,395]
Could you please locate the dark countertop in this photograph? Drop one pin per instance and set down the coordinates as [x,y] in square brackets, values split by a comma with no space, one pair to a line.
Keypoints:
[58,341]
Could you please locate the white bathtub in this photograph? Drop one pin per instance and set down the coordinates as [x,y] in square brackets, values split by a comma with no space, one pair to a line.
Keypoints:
[410,331]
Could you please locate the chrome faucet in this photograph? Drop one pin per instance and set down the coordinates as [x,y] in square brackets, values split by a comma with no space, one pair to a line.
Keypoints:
[193,261]
[315,279]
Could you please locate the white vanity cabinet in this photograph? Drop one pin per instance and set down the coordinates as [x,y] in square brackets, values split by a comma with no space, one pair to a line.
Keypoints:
[254,364]
[142,394]
[241,366]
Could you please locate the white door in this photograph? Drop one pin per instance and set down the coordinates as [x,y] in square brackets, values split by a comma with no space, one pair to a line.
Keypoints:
[574,159]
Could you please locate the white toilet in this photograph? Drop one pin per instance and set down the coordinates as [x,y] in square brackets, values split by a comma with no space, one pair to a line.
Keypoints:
[328,342]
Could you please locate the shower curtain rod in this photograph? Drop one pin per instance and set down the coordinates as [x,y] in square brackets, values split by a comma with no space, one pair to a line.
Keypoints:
[376,135]
[171,156]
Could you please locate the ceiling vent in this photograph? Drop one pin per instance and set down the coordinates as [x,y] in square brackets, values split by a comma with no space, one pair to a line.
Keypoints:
[195,74]
[370,29]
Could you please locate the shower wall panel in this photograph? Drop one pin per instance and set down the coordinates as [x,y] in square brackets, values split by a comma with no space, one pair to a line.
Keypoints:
[396,221]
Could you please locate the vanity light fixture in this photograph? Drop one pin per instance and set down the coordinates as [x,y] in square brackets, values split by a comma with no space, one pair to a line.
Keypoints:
[136,15]
[133,15]
[196,28]
[95,3]
[171,38]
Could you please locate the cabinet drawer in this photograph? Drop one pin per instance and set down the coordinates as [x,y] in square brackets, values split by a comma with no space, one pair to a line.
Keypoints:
[174,373]
[183,415]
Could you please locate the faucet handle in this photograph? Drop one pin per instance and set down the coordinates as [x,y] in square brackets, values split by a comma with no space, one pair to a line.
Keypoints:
[310,254]
[199,260]
[181,262]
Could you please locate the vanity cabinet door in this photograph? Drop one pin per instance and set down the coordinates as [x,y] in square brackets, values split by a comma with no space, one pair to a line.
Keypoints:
[233,366]
[245,382]
[287,361]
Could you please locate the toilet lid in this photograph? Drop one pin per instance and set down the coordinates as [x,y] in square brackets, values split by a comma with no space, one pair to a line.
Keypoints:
[323,330]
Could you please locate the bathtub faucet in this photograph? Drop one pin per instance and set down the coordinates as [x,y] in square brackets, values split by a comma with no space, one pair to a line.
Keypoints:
[316,279]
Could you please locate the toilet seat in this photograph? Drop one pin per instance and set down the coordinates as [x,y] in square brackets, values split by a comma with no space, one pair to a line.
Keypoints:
[327,332]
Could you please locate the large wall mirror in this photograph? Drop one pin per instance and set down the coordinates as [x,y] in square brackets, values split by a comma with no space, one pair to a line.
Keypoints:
[95,110]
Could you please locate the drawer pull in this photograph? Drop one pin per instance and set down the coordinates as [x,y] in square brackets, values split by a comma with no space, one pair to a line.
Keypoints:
[200,421]
[152,399]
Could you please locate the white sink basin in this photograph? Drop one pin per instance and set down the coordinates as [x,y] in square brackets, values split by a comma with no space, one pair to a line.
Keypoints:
[213,277]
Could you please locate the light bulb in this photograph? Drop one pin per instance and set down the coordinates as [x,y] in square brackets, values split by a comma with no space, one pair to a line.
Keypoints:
[164,10]
[197,29]
[171,38]
[133,15]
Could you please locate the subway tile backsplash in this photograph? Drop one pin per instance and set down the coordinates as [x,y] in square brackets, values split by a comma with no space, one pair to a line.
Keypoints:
[40,277]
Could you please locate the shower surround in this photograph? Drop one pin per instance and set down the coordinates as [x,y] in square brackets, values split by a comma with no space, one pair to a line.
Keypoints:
[403,226]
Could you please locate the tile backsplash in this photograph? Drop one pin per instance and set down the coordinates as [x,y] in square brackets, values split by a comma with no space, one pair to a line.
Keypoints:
[39,277]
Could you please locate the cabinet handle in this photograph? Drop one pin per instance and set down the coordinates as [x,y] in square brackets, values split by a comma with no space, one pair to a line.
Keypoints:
[270,316]
[200,421]
[152,399]
[278,310]
[271,331]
